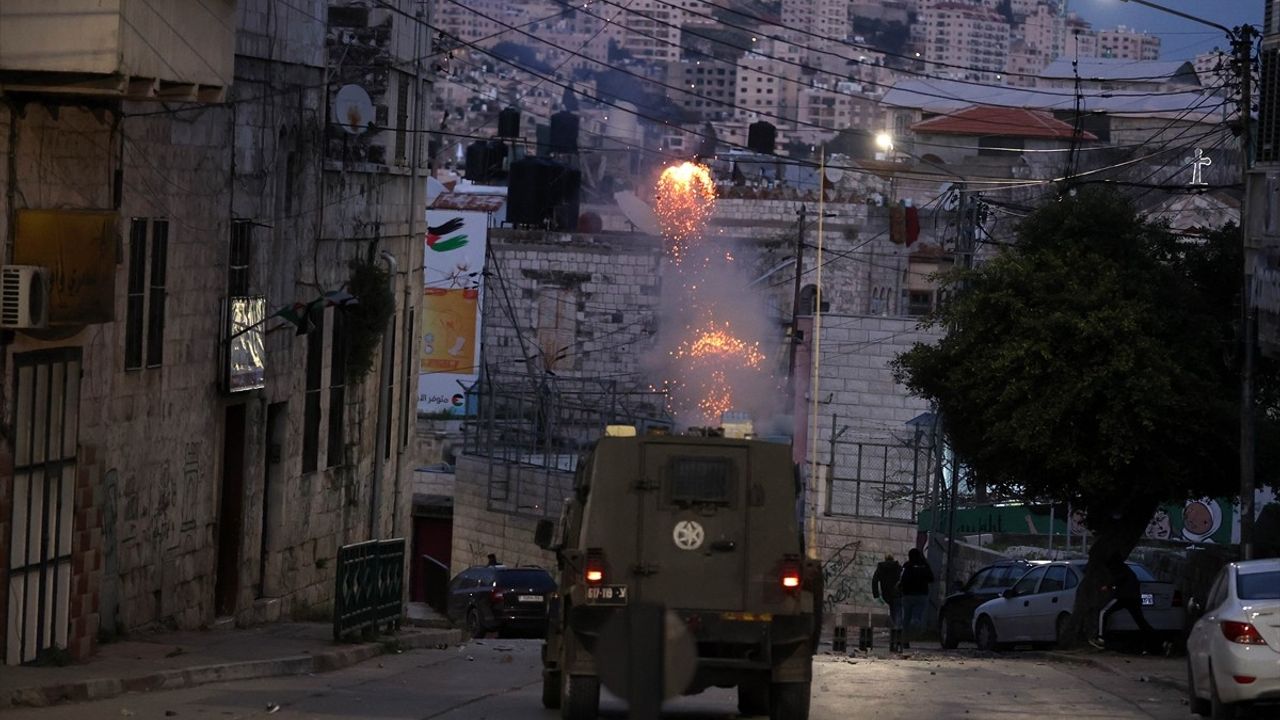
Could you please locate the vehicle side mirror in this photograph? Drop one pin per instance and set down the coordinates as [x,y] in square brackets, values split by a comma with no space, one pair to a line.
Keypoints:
[1009,594]
[544,533]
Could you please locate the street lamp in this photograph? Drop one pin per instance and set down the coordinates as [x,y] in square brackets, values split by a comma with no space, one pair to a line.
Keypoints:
[1241,39]
[884,141]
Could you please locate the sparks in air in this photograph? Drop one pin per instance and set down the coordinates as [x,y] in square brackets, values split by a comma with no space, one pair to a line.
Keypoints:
[685,201]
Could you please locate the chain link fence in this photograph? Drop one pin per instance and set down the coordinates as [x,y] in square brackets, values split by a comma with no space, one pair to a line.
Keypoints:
[533,429]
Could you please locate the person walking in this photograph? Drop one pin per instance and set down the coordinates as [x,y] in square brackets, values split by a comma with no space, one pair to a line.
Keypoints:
[917,576]
[493,560]
[884,587]
[1126,594]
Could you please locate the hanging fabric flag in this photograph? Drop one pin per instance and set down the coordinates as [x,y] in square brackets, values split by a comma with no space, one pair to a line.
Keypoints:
[298,314]
[913,225]
[897,224]
[340,298]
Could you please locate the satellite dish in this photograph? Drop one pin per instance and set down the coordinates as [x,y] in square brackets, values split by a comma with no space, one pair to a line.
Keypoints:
[353,110]
[637,212]
[834,174]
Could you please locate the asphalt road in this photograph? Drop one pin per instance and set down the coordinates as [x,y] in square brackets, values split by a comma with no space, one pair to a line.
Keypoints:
[500,679]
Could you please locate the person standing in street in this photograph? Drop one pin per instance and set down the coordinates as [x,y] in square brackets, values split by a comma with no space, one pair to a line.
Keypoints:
[917,576]
[884,586]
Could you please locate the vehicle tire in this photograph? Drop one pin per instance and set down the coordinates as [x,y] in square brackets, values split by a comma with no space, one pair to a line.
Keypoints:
[1198,705]
[1060,630]
[789,701]
[948,633]
[551,689]
[753,696]
[985,635]
[1218,710]
[581,700]
[474,626]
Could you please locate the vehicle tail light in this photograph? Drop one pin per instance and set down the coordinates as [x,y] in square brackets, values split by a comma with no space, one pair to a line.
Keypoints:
[594,574]
[1243,679]
[790,575]
[1242,633]
[1177,598]
[495,597]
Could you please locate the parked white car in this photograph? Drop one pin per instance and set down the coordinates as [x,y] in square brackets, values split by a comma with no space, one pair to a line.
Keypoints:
[1233,652]
[1036,609]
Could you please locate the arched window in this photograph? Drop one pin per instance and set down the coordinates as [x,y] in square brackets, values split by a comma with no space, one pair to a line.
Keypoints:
[807,295]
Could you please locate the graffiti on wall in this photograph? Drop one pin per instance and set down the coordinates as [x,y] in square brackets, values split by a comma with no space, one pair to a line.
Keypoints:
[838,576]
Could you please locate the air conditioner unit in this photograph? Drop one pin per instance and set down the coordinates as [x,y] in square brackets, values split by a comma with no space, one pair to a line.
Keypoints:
[24,296]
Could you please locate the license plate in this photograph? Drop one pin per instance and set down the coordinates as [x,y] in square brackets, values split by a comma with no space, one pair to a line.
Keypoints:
[607,595]
[530,598]
[1148,599]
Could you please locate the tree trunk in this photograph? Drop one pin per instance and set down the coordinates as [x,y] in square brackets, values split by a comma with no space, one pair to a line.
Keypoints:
[1116,534]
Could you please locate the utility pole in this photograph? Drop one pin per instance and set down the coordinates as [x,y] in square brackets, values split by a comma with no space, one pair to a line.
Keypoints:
[1242,45]
[795,301]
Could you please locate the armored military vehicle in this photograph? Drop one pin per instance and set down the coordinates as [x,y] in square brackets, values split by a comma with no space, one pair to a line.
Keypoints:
[709,528]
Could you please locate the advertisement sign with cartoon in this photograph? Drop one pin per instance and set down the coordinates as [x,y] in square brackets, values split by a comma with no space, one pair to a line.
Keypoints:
[451,308]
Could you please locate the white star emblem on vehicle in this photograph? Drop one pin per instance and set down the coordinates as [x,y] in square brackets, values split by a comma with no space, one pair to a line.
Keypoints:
[688,535]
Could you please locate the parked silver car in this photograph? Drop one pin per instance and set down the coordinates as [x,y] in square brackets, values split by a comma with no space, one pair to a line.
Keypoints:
[1036,609]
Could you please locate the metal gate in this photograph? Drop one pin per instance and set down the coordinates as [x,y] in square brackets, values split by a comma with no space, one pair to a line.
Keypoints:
[45,423]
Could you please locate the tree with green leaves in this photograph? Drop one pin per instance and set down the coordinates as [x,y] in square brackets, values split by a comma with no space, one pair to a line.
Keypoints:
[1093,362]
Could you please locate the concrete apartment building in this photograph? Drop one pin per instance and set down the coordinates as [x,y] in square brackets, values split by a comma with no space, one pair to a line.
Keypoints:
[971,39]
[714,81]
[767,87]
[1125,43]
[819,25]
[160,468]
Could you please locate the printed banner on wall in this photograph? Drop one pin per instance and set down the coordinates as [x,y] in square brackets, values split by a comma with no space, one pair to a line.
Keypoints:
[454,261]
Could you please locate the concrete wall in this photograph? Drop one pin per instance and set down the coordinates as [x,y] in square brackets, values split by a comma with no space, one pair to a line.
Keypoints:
[478,531]
[849,549]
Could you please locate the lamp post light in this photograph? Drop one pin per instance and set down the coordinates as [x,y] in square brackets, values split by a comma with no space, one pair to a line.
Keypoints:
[1241,39]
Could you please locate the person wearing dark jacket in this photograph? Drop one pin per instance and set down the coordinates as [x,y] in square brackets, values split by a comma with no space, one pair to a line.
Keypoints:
[1126,594]
[917,576]
[884,586]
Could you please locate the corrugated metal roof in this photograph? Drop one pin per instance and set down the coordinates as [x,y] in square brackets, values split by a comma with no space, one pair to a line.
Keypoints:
[1154,71]
[946,96]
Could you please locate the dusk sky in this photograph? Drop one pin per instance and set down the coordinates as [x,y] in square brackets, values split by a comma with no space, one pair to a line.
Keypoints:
[1181,39]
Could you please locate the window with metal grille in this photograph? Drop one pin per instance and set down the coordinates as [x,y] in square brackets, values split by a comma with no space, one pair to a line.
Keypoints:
[699,480]
[136,298]
[402,118]
[337,389]
[311,410]
[156,296]
[238,262]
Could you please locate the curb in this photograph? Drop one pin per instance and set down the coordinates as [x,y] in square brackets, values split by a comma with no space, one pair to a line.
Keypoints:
[325,661]
[1099,664]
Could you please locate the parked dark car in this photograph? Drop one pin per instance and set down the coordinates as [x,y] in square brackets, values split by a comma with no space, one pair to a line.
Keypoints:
[502,599]
[955,619]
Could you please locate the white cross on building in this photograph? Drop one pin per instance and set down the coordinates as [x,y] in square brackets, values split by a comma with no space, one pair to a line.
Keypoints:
[1198,163]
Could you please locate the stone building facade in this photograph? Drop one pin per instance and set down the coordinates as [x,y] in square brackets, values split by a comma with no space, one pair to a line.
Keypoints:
[185,503]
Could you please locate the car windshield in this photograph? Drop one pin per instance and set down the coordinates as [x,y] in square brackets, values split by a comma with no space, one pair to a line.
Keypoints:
[535,579]
[1259,586]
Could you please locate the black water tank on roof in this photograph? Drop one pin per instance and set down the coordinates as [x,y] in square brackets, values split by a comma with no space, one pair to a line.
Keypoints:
[761,137]
[564,132]
[543,193]
[509,123]
[484,160]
